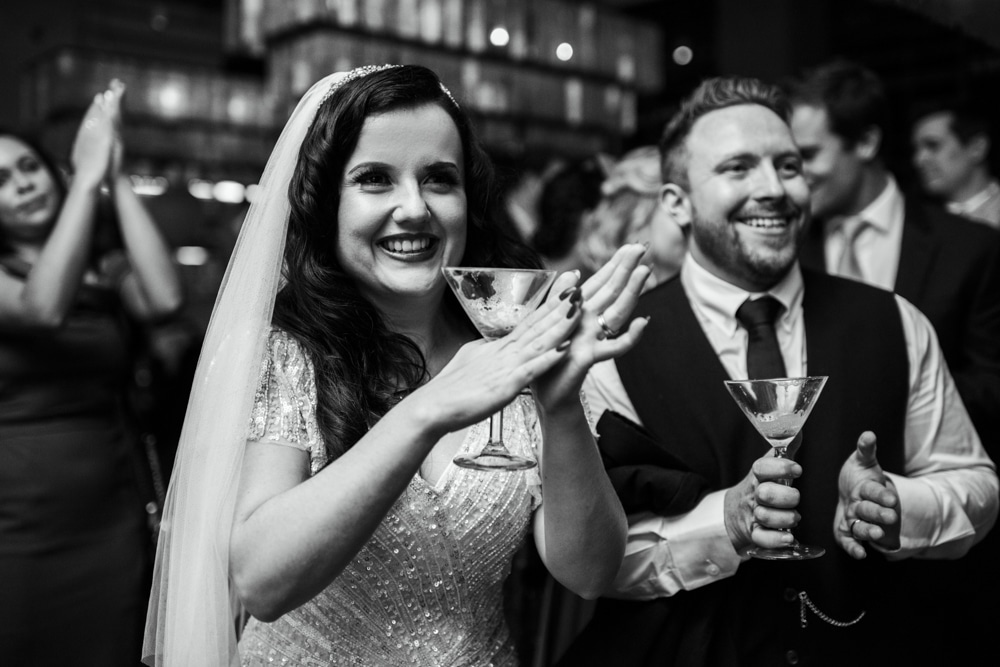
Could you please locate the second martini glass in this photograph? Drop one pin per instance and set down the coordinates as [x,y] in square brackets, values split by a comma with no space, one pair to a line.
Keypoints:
[778,409]
[496,300]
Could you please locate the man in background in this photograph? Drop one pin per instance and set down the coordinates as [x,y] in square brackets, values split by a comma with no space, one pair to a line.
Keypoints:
[951,148]
[865,228]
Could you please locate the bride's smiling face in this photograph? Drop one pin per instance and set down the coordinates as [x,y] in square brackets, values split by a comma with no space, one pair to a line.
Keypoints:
[402,212]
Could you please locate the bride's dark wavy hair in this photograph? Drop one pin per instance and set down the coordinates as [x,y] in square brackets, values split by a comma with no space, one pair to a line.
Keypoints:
[361,366]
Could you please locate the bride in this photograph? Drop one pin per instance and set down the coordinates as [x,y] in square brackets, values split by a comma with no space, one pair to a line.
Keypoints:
[314,486]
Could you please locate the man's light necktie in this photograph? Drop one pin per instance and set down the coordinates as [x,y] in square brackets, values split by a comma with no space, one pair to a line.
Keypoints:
[848,266]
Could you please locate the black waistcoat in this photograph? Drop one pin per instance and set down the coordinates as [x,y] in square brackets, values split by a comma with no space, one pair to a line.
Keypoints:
[675,381]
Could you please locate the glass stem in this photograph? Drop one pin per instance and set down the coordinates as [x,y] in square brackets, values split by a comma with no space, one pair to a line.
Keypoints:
[496,430]
[782,453]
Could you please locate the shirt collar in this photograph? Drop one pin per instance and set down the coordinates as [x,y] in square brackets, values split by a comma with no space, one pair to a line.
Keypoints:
[883,213]
[718,300]
[975,201]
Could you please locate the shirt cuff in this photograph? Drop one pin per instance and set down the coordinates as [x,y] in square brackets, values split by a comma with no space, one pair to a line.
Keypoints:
[665,555]
[927,521]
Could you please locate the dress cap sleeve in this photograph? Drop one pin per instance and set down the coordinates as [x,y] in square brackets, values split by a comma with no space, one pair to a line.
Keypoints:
[284,410]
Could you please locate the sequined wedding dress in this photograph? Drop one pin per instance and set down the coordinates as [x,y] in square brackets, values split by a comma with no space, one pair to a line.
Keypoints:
[427,587]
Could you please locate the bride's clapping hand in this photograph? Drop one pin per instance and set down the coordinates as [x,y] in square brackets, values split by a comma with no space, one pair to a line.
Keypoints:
[606,328]
[485,376]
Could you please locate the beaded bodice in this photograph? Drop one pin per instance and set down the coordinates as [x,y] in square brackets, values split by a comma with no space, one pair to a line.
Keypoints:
[427,587]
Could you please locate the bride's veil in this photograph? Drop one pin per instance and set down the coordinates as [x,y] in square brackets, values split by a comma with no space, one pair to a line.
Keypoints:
[191,616]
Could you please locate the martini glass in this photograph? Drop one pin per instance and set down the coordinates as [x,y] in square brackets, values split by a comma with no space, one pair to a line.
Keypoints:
[496,300]
[778,408]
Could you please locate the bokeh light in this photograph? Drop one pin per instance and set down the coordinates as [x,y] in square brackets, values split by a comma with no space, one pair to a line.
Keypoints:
[499,37]
[683,55]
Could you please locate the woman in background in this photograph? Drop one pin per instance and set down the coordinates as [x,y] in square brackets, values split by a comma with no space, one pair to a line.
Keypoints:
[628,211]
[73,539]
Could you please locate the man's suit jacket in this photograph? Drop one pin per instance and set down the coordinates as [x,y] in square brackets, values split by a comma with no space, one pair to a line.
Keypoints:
[949,268]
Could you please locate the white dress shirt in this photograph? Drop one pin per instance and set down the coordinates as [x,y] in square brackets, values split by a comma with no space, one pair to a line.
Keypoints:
[984,206]
[878,245]
[948,496]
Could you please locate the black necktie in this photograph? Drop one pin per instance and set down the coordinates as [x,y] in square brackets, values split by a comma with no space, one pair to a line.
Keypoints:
[763,354]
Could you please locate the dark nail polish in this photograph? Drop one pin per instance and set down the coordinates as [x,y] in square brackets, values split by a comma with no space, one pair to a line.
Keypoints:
[572,310]
[567,292]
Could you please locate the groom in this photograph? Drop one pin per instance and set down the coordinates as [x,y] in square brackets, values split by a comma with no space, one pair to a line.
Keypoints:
[700,486]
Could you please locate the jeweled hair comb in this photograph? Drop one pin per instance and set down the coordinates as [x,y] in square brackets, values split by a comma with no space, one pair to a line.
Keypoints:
[365,70]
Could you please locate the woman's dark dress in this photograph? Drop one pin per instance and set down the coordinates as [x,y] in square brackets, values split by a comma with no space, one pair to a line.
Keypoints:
[73,560]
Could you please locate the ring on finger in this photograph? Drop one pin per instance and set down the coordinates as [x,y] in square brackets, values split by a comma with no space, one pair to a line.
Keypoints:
[850,528]
[608,331]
